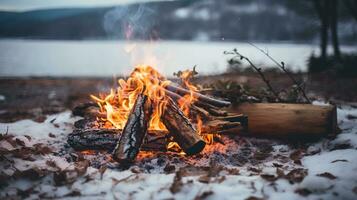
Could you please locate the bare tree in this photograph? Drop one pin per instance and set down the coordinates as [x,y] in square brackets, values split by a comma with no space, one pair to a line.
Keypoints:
[327,10]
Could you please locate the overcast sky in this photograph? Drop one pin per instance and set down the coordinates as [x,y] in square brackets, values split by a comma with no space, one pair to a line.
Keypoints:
[23,5]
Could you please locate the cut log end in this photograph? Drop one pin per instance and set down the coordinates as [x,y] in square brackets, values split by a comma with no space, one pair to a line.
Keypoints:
[195,148]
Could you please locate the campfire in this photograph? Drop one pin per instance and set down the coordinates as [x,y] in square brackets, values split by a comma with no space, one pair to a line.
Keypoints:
[148,112]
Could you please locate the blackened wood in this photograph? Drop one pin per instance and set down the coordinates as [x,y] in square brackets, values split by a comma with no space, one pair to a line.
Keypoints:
[193,108]
[215,102]
[95,139]
[106,139]
[243,119]
[212,110]
[181,129]
[134,131]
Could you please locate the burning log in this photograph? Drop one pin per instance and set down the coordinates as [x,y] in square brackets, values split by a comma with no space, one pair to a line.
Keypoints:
[106,139]
[181,91]
[181,129]
[134,131]
[300,121]
[155,140]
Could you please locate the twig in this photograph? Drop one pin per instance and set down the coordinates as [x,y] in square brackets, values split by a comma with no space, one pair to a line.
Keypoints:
[258,69]
[282,66]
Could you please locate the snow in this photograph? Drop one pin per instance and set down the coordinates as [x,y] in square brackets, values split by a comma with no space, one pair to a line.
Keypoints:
[56,124]
[116,184]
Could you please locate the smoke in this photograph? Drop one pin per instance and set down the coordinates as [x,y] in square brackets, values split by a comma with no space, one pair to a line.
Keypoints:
[133,23]
[130,22]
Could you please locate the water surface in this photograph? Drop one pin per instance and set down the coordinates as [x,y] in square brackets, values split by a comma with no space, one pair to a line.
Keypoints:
[107,58]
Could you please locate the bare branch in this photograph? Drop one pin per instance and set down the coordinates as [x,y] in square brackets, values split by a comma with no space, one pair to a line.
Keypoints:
[282,67]
[257,69]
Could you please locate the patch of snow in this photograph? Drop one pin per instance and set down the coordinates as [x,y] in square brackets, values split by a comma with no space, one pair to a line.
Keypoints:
[345,172]
[56,124]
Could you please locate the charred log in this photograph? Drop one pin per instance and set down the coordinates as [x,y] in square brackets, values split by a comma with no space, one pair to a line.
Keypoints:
[134,131]
[182,130]
[181,91]
[106,139]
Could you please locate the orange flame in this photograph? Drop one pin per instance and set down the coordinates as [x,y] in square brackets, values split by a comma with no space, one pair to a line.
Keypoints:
[117,105]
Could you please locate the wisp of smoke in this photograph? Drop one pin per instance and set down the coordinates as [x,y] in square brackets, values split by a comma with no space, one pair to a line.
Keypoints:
[130,22]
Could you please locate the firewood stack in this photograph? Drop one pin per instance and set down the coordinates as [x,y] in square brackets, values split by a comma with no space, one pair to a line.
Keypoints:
[201,118]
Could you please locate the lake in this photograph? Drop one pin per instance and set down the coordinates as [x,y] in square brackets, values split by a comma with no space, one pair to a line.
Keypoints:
[108,58]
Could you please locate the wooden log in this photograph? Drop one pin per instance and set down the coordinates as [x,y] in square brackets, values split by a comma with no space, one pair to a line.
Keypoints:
[106,139]
[197,110]
[217,125]
[134,131]
[181,91]
[299,121]
[183,132]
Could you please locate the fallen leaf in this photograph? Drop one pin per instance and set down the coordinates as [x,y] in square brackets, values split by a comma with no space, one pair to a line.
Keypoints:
[33,173]
[65,177]
[256,170]
[268,177]
[169,168]
[296,175]
[232,171]
[81,167]
[296,155]
[254,198]
[204,179]
[136,170]
[327,175]
[339,160]
[52,163]
[177,183]
[28,137]
[277,165]
[204,195]
[74,193]
[280,173]
[20,142]
[303,191]
[42,149]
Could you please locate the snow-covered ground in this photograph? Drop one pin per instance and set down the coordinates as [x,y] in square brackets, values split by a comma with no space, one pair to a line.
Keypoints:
[326,169]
